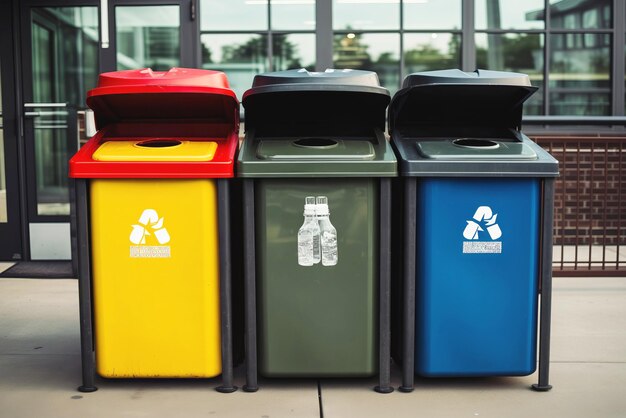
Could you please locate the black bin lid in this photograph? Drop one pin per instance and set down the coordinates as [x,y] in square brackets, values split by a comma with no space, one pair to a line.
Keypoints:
[301,97]
[458,98]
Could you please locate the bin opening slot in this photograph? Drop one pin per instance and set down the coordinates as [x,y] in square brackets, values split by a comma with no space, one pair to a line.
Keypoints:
[158,143]
[313,142]
[475,143]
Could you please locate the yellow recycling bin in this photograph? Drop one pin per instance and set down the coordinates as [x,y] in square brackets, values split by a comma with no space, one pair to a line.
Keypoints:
[155,225]
[154,270]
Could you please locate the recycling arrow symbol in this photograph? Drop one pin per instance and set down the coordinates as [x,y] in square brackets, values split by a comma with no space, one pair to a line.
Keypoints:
[149,221]
[484,219]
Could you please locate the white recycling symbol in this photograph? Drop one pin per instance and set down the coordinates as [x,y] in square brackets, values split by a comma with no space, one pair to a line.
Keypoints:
[485,216]
[149,221]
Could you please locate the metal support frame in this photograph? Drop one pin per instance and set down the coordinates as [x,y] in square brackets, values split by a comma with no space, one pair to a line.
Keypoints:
[617,51]
[223,194]
[468,45]
[408,291]
[323,35]
[250,287]
[84,288]
[384,304]
[546,287]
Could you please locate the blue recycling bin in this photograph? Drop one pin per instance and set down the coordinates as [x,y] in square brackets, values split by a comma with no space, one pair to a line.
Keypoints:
[477,218]
[476,288]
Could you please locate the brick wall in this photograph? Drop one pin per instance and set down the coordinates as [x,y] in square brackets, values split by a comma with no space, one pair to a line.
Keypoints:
[590,195]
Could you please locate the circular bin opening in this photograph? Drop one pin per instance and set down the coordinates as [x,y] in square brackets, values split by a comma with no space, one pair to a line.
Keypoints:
[475,143]
[158,143]
[315,142]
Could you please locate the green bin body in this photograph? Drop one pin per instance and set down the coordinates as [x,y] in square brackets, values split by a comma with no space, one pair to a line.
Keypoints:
[316,134]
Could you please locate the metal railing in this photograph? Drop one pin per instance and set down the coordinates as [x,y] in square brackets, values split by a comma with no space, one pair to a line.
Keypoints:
[590,207]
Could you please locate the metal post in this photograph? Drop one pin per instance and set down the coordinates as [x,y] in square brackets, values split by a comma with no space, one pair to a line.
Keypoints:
[223,199]
[84,288]
[408,305]
[384,303]
[546,287]
[249,287]
[619,28]
[323,35]
[468,44]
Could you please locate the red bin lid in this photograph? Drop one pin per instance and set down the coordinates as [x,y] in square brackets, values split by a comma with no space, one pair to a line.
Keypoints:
[188,104]
[178,94]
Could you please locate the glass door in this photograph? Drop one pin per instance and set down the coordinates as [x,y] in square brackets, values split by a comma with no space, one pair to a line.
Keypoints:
[10,231]
[64,48]
[159,34]
[60,64]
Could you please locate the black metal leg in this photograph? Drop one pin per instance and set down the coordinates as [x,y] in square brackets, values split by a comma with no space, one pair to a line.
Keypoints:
[225,287]
[384,303]
[545,318]
[84,288]
[250,287]
[408,305]
[73,226]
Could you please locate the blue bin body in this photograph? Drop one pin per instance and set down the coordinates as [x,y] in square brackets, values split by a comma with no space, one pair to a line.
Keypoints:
[476,313]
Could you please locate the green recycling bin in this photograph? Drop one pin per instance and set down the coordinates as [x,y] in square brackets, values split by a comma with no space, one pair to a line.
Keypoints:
[316,168]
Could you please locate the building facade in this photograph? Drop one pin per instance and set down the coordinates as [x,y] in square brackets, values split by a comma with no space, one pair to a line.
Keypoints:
[51,52]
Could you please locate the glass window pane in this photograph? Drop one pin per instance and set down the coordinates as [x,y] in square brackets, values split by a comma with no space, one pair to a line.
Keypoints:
[293,51]
[51,158]
[440,14]
[233,15]
[366,14]
[43,71]
[509,14]
[567,14]
[580,104]
[147,36]
[293,14]
[373,52]
[240,56]
[436,51]
[581,61]
[521,53]
[70,33]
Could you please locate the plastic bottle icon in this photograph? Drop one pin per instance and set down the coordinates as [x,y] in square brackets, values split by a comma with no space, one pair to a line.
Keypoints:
[328,233]
[309,235]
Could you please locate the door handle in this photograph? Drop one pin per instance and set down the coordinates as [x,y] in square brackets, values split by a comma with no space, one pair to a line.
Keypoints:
[104,23]
[31,105]
[36,113]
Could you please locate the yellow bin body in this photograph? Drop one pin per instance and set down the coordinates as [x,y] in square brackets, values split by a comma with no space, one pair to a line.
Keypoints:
[155,268]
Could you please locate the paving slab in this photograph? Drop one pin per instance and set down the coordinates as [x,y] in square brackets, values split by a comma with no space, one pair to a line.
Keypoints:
[40,369]
[588,369]
[580,390]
